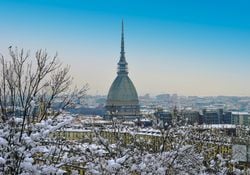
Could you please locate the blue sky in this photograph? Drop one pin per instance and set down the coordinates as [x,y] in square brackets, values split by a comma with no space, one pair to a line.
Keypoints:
[185,47]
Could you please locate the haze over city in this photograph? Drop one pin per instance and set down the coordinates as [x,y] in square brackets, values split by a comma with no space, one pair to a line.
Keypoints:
[185,47]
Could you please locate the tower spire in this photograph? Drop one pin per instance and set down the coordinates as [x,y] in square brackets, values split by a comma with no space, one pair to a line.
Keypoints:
[122,43]
[122,64]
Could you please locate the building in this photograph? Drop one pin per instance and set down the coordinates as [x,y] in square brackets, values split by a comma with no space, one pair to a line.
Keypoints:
[212,116]
[122,101]
[191,117]
[237,118]
[228,118]
[163,118]
[217,116]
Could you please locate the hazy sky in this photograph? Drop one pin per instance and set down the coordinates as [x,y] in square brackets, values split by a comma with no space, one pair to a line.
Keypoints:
[187,47]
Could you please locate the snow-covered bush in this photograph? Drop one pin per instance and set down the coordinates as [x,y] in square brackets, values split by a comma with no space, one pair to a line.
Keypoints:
[177,153]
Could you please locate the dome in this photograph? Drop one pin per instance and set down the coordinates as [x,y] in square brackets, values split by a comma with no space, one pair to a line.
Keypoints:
[122,92]
[122,101]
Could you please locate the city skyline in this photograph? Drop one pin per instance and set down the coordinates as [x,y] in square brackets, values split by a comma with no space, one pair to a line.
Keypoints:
[188,48]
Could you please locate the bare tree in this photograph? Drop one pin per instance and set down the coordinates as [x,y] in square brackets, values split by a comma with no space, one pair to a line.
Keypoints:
[29,89]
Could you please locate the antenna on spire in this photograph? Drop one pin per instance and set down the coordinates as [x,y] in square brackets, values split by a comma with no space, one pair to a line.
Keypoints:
[122,26]
[122,41]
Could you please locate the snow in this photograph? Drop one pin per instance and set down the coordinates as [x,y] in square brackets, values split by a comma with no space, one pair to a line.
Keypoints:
[142,166]
[186,147]
[18,120]
[239,113]
[121,160]
[2,161]
[113,165]
[222,126]
[3,142]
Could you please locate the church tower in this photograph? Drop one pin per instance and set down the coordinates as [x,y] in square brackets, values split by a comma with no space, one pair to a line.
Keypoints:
[122,101]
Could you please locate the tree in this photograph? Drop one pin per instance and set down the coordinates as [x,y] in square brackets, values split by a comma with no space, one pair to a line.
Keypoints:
[34,92]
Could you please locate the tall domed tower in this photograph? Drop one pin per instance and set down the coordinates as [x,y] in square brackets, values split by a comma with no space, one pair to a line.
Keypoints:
[122,101]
